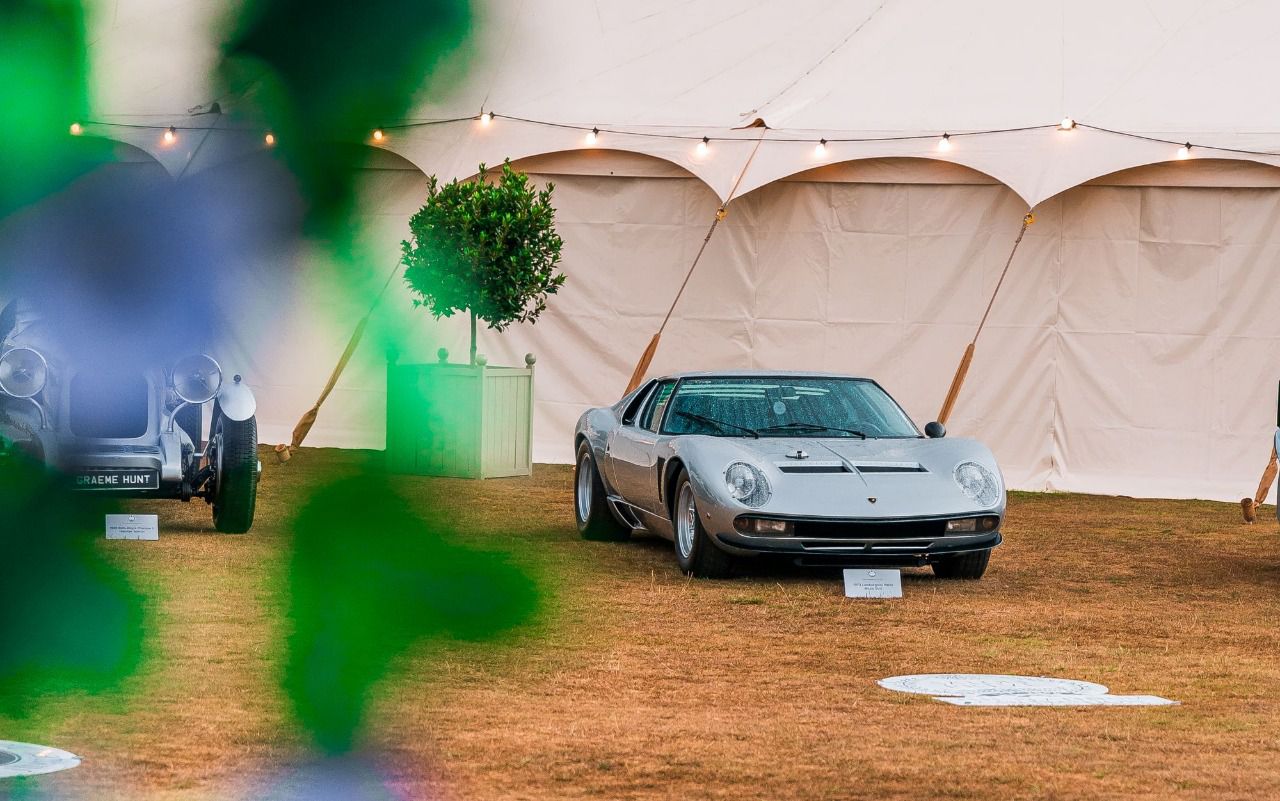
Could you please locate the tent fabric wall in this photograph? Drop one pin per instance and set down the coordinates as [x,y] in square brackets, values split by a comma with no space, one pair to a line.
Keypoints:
[1132,349]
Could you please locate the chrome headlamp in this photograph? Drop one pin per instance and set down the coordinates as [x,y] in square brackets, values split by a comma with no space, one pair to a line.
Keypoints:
[23,373]
[747,485]
[197,379]
[979,483]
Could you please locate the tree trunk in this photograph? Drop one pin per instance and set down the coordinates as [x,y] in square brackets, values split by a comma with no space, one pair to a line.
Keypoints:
[473,338]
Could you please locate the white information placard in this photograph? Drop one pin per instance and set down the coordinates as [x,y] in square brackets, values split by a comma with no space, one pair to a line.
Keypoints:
[872,583]
[133,527]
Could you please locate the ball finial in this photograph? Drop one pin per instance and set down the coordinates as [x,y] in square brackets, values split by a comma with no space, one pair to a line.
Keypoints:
[443,355]
[529,359]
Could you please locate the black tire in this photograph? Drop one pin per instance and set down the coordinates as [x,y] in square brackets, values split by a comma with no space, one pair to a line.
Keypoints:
[704,559]
[968,566]
[590,505]
[235,463]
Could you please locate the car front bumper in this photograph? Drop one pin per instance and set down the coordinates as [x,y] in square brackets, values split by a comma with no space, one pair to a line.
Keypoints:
[856,542]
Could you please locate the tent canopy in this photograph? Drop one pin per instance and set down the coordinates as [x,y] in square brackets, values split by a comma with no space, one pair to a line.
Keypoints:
[657,77]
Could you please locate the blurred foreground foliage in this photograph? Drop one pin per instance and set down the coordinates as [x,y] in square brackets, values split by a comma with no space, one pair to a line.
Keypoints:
[71,622]
[370,577]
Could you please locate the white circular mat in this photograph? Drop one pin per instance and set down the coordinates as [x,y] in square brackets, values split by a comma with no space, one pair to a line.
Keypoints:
[971,684]
[25,759]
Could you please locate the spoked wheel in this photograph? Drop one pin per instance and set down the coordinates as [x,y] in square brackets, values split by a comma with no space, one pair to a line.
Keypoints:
[591,510]
[234,458]
[969,566]
[696,554]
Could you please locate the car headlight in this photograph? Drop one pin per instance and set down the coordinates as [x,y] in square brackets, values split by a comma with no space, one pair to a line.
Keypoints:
[197,379]
[747,484]
[23,372]
[979,483]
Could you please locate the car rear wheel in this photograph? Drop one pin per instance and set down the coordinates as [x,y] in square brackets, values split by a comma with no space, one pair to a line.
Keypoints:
[696,554]
[235,473]
[590,506]
[965,566]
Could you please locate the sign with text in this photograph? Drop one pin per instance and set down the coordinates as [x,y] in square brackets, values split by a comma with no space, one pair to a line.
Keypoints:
[875,583]
[133,527]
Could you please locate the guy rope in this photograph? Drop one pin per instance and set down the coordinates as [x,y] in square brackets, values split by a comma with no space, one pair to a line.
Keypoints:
[963,370]
[646,358]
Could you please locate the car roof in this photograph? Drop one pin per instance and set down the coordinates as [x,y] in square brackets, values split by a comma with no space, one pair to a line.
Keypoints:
[758,374]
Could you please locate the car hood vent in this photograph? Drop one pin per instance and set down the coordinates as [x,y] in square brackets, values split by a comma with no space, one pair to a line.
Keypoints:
[890,467]
[813,467]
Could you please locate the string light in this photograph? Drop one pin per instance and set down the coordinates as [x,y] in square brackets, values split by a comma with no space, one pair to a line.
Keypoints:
[1184,151]
[1067,124]
[378,135]
[704,146]
[593,135]
[76,129]
[486,118]
[170,135]
[821,149]
[270,139]
[944,144]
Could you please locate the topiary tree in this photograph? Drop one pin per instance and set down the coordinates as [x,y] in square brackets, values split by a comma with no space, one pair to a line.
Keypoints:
[489,248]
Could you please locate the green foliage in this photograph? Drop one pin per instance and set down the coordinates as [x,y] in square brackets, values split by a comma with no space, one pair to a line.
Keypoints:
[489,248]
[368,578]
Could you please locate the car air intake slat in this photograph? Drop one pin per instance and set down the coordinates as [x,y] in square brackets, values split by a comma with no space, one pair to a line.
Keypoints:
[891,468]
[109,405]
[813,468]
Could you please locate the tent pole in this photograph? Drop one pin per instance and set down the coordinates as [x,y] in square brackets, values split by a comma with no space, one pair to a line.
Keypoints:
[300,431]
[646,358]
[963,369]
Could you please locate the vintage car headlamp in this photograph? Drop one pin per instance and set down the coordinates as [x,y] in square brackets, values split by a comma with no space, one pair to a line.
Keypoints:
[747,485]
[197,379]
[23,372]
[979,483]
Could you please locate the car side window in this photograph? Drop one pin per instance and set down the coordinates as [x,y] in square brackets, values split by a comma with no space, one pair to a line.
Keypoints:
[657,405]
[633,409]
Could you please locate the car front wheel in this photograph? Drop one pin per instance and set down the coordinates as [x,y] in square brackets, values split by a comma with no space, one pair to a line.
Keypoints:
[969,566]
[235,473]
[590,506]
[696,554]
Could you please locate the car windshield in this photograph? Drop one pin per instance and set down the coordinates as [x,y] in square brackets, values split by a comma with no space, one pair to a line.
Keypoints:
[785,407]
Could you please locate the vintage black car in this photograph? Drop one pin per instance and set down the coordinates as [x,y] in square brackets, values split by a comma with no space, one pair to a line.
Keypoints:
[120,428]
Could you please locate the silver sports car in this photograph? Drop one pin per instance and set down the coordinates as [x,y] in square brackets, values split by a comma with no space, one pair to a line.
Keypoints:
[823,469]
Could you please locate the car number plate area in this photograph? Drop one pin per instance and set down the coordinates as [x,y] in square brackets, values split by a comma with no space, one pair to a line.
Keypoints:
[109,480]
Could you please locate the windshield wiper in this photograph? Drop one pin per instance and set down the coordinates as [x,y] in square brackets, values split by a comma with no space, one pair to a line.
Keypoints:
[720,424]
[798,427]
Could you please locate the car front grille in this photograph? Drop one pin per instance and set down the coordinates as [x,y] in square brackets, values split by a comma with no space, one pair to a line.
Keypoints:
[109,405]
[872,530]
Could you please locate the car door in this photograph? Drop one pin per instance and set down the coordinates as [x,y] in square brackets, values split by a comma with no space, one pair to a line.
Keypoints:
[632,450]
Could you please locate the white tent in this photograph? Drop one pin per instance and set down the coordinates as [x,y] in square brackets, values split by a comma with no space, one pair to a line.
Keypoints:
[1133,348]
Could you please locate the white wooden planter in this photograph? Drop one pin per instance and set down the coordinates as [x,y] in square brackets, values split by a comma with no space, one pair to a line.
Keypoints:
[460,420]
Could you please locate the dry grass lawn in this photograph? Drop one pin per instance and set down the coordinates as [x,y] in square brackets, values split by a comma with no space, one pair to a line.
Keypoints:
[640,683]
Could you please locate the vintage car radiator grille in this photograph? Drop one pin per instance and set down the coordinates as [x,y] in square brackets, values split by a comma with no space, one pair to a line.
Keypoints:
[109,405]
[848,529]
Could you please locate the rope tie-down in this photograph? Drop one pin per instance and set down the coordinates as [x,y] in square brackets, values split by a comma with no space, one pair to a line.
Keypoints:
[963,369]
[646,358]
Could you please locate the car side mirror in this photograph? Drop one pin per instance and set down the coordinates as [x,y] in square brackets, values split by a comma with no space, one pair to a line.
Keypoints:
[935,430]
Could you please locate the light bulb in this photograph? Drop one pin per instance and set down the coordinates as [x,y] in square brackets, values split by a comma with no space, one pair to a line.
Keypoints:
[821,149]
[378,135]
[944,144]
[76,130]
[270,139]
[1184,151]
[704,146]
[593,136]
[486,118]
[170,135]
[1067,124]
